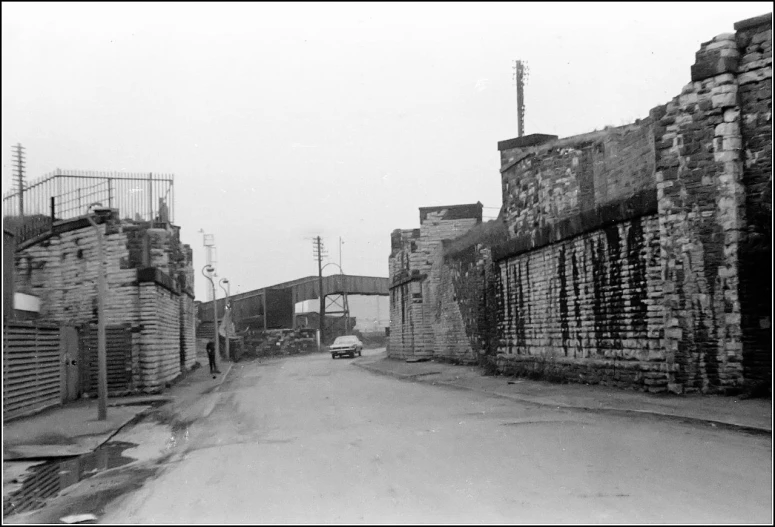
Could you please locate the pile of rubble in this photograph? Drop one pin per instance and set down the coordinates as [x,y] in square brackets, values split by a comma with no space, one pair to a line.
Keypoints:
[276,342]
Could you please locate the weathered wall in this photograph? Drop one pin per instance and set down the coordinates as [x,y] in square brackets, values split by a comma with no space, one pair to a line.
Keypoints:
[419,327]
[589,307]
[188,348]
[637,256]
[62,270]
[754,44]
[546,183]
[465,303]
[159,356]
[571,207]
[702,204]
[8,274]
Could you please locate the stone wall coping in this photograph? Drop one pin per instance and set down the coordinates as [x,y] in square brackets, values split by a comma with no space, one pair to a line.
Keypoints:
[156,275]
[640,204]
[61,227]
[555,142]
[761,20]
[406,280]
[525,141]
[455,212]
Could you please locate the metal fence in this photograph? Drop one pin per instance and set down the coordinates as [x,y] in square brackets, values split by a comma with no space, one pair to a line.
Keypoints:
[66,194]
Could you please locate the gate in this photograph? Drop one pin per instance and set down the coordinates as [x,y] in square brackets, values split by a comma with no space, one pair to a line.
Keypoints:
[118,345]
[32,376]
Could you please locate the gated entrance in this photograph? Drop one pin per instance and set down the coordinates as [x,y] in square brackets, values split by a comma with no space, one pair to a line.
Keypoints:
[118,341]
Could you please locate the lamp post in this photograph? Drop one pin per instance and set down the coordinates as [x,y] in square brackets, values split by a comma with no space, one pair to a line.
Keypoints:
[209,269]
[226,321]
[102,291]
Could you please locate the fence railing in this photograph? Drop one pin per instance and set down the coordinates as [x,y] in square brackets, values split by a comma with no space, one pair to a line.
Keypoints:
[66,194]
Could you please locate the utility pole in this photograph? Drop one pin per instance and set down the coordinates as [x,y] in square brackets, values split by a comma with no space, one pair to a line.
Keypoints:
[318,250]
[345,307]
[18,166]
[102,293]
[521,73]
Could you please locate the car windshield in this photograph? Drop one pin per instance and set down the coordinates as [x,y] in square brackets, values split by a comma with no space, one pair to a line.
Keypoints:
[346,340]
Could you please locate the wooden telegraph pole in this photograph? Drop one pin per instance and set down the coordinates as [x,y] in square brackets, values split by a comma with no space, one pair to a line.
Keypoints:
[318,253]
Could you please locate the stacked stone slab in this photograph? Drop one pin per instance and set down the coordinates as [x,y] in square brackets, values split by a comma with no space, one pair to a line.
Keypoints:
[61,268]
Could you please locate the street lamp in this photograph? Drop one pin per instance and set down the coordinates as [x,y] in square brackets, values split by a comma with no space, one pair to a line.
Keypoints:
[98,210]
[209,269]
[226,322]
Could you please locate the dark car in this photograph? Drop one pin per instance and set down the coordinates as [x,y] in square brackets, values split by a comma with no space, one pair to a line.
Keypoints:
[348,345]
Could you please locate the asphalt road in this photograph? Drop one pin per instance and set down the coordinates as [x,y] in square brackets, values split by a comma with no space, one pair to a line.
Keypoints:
[315,440]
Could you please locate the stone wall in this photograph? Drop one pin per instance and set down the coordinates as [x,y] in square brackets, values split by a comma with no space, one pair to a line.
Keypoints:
[188,348]
[62,269]
[594,299]
[62,272]
[708,154]
[638,256]
[418,325]
[754,44]
[159,356]
[713,169]
[546,183]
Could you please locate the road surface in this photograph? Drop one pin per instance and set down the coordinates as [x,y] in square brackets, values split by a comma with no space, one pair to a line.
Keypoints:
[309,439]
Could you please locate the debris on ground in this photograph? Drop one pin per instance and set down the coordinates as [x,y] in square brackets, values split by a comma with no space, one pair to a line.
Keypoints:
[78,518]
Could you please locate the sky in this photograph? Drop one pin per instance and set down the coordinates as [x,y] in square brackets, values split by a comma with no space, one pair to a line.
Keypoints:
[286,121]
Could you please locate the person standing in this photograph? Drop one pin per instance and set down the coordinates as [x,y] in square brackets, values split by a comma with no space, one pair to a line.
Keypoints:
[211,357]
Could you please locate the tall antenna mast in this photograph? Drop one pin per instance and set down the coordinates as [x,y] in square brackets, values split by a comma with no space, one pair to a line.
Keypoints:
[521,73]
[18,168]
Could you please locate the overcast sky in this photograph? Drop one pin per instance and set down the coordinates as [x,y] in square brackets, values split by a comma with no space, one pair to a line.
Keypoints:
[285,121]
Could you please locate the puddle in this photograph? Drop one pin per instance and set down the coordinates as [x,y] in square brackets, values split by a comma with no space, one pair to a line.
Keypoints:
[47,479]
[546,422]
